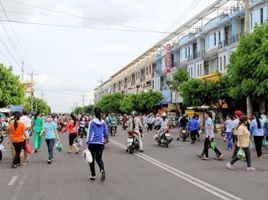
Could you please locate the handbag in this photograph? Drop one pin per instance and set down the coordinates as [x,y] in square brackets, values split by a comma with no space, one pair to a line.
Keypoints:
[213,145]
[28,148]
[241,154]
[59,146]
[87,155]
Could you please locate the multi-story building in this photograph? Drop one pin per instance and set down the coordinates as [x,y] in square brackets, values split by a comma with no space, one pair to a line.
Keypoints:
[204,49]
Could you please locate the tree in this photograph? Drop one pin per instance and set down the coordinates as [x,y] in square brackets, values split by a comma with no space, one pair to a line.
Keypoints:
[128,103]
[110,103]
[11,90]
[215,94]
[248,69]
[87,109]
[38,104]
[178,77]
[146,101]
[142,102]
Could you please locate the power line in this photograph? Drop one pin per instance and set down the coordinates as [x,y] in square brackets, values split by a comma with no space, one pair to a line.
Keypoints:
[15,36]
[80,27]
[80,17]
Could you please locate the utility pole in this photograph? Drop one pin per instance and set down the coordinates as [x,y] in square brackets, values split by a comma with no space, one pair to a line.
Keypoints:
[22,70]
[83,100]
[247,30]
[32,74]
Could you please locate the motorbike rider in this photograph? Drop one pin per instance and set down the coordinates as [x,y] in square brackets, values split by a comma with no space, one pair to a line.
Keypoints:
[112,122]
[124,120]
[183,123]
[157,122]
[135,125]
[163,126]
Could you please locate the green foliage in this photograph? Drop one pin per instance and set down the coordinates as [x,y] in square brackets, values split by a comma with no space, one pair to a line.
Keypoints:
[128,103]
[38,104]
[143,102]
[248,69]
[110,103]
[197,92]
[178,77]
[87,109]
[11,90]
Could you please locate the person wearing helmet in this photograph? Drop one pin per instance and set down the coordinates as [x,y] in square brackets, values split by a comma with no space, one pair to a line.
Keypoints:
[163,125]
[112,122]
[135,125]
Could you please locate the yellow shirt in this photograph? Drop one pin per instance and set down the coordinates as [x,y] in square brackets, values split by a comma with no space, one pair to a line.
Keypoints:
[243,136]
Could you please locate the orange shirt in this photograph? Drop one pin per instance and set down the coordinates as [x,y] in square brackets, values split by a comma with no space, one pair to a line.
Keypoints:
[17,135]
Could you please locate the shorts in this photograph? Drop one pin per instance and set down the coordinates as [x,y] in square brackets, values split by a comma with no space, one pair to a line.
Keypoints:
[72,137]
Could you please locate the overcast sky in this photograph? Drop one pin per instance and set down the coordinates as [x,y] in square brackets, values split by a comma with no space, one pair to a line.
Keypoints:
[71,61]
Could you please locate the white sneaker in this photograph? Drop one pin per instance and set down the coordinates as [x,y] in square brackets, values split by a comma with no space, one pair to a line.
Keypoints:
[251,169]
[229,166]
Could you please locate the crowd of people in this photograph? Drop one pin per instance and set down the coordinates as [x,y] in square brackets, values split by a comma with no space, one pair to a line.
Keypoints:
[241,133]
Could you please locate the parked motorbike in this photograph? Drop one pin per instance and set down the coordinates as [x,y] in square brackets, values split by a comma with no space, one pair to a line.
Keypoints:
[1,145]
[132,143]
[184,133]
[164,138]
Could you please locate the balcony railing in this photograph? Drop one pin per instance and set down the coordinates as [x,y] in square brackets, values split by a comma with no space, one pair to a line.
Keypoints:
[232,40]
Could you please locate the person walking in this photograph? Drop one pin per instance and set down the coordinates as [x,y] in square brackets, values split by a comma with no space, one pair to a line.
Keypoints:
[25,119]
[96,138]
[243,136]
[236,122]
[209,138]
[229,129]
[72,129]
[17,136]
[37,127]
[82,126]
[193,126]
[257,131]
[51,135]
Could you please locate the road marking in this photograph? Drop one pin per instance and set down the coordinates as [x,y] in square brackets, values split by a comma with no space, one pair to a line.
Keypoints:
[12,181]
[193,180]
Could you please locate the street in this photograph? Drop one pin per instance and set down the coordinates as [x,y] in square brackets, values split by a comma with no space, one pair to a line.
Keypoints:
[158,173]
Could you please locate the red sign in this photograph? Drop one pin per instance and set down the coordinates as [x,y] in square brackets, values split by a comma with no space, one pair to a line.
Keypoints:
[168,58]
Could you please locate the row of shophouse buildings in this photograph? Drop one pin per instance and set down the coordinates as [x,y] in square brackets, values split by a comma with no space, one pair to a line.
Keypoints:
[202,47]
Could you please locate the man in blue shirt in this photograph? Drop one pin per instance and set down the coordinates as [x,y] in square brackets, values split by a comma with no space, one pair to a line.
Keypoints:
[193,126]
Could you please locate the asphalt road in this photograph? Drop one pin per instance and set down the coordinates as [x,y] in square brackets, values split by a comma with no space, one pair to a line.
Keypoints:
[157,174]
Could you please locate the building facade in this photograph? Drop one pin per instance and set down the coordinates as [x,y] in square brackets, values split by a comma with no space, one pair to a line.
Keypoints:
[204,51]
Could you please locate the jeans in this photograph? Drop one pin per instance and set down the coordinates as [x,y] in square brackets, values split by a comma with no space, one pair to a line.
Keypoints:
[150,127]
[258,145]
[18,147]
[96,152]
[50,146]
[207,146]
[194,134]
[229,140]
[248,159]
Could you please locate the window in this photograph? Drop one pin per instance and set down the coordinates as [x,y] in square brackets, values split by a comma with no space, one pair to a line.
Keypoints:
[185,50]
[146,70]
[224,62]
[215,39]
[220,63]
[261,15]
[219,37]
[189,52]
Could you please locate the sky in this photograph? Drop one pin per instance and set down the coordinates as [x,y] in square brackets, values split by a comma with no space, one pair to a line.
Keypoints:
[90,40]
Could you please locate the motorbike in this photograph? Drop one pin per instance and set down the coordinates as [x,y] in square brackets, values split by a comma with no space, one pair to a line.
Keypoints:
[1,141]
[124,126]
[112,128]
[184,133]
[164,138]
[132,143]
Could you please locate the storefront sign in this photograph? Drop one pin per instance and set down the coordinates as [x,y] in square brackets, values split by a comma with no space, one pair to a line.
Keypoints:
[168,58]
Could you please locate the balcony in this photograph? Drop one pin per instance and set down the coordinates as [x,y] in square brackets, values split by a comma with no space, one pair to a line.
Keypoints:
[232,40]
